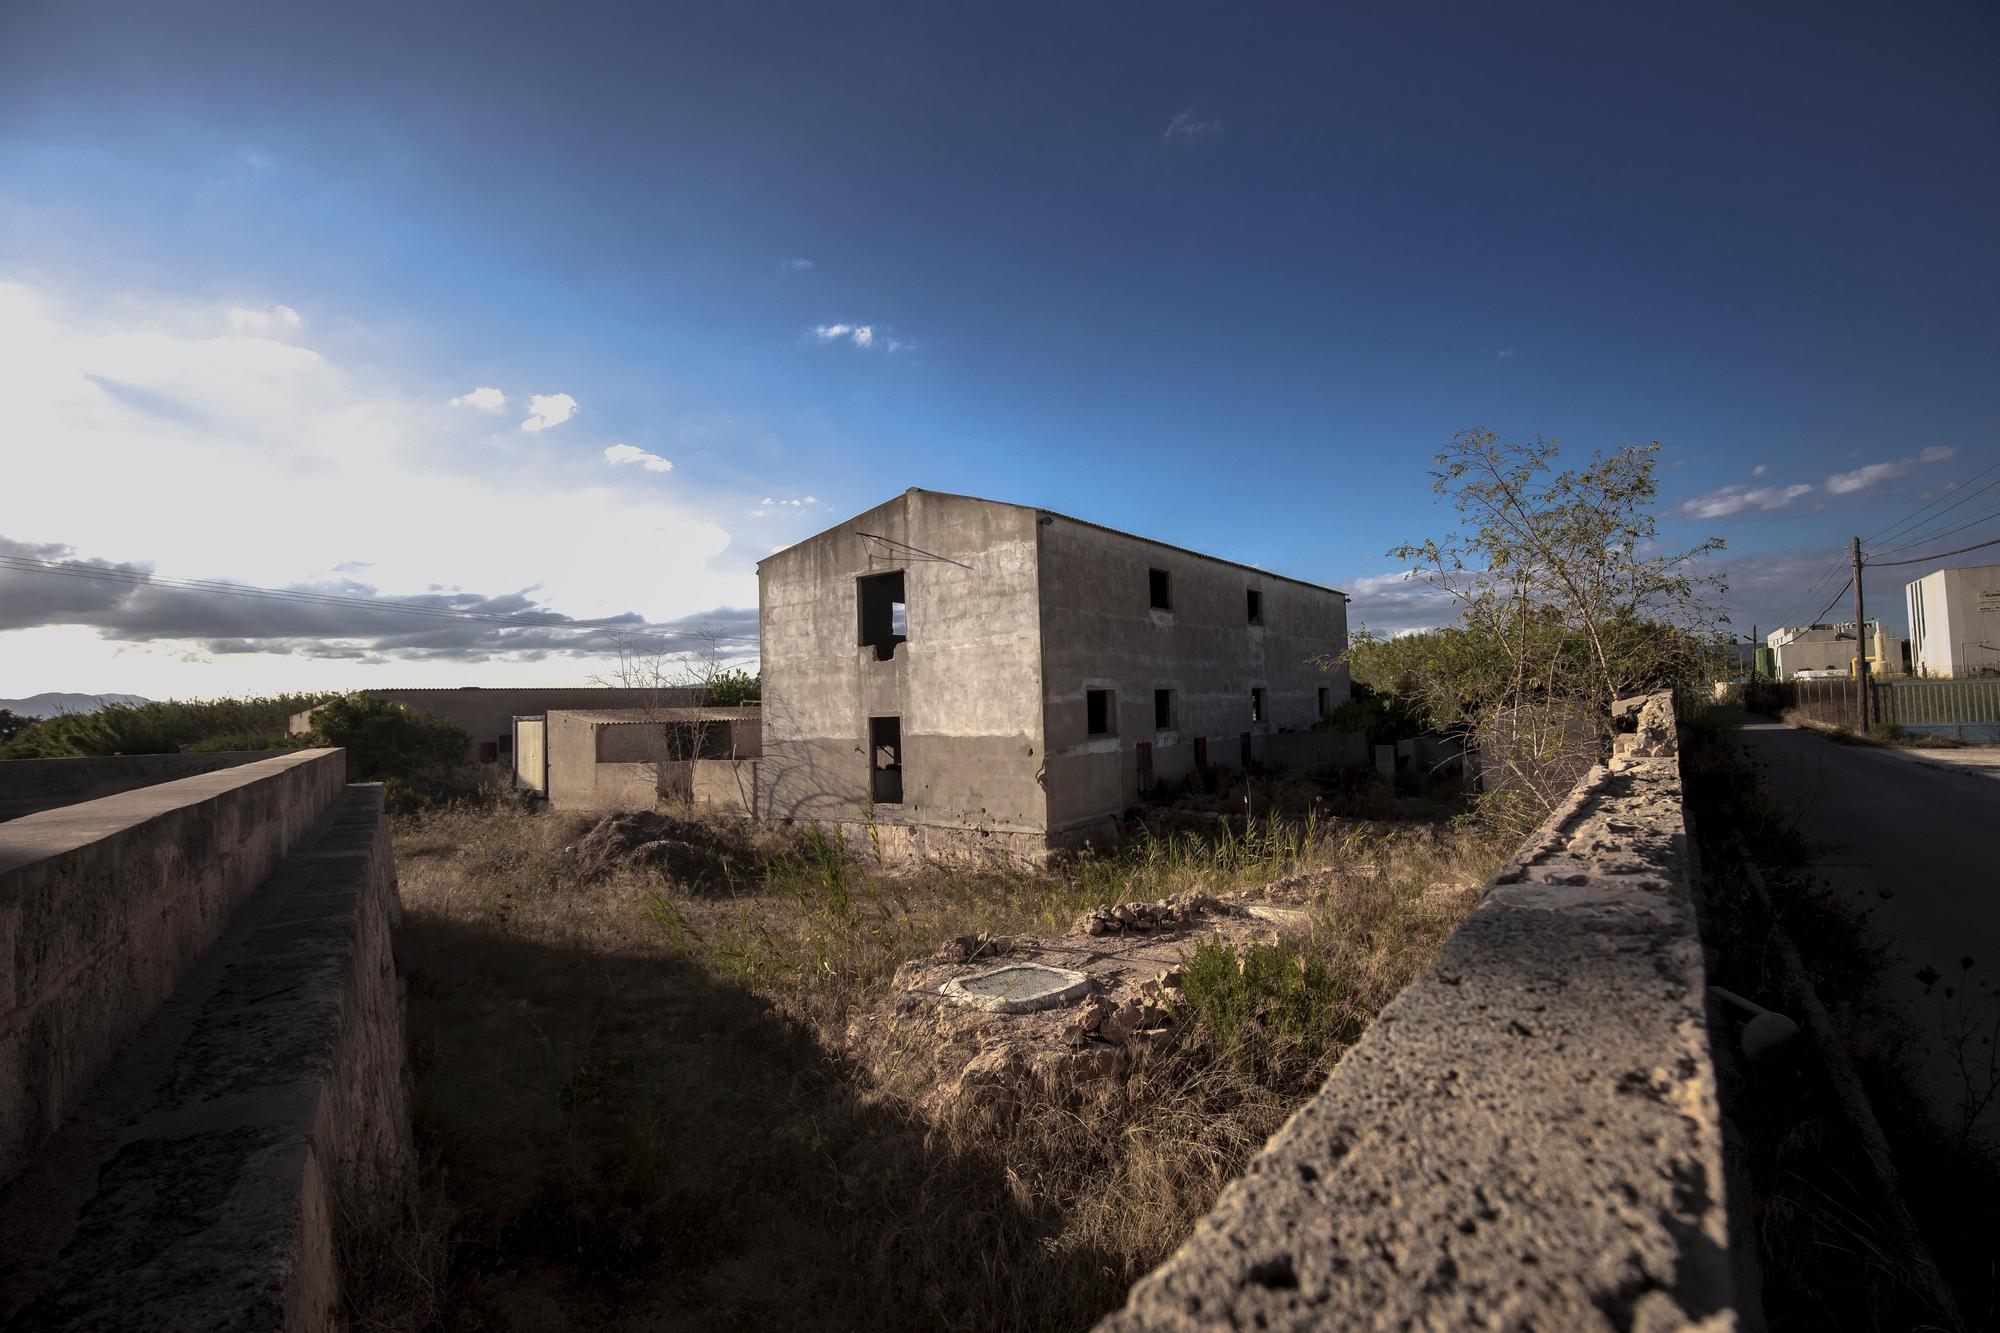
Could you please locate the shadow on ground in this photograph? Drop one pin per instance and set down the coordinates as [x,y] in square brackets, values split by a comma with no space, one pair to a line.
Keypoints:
[618,1141]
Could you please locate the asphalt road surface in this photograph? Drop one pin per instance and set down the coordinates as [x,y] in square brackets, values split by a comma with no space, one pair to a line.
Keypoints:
[1917,844]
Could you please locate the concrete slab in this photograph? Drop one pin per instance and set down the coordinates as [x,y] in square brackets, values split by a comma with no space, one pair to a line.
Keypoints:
[1018,988]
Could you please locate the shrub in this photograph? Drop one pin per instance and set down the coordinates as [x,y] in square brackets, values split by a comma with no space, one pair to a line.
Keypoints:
[418,757]
[1274,1011]
[167,727]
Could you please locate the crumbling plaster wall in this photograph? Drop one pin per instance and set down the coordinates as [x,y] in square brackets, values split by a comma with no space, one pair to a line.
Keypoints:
[966,682]
[1099,630]
[1528,1136]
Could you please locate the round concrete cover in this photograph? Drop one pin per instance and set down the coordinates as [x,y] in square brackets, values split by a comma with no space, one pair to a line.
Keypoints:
[1018,988]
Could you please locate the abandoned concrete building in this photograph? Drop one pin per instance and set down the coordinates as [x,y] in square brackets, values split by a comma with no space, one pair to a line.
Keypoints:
[627,758]
[957,674]
[487,715]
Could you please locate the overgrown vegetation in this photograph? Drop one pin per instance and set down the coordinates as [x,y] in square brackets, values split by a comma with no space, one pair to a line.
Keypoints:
[166,727]
[634,1107]
[1564,603]
[419,758]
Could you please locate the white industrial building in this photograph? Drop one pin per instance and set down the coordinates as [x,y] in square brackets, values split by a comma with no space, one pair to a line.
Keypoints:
[1820,652]
[1955,621]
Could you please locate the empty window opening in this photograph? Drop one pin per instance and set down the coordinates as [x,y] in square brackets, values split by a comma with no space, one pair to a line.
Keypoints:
[884,619]
[1163,590]
[1256,606]
[1097,712]
[1257,703]
[1163,710]
[885,760]
[1325,701]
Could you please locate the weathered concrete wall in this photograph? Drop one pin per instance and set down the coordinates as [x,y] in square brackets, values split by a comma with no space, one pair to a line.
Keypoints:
[104,905]
[204,1181]
[31,785]
[1527,1137]
[578,781]
[625,760]
[487,715]
[966,682]
[1100,631]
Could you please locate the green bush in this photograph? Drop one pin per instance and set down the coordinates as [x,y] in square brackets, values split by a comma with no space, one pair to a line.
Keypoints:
[418,757]
[1276,1012]
[734,687]
[167,727]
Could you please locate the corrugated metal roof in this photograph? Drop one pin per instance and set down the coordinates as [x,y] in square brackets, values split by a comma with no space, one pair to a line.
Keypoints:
[660,715]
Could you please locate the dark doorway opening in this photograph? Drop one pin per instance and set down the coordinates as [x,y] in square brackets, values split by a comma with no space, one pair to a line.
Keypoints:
[885,760]
[883,613]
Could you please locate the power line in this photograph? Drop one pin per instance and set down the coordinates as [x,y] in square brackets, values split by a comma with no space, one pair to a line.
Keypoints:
[1834,601]
[1919,533]
[1811,591]
[334,601]
[1955,490]
[1936,535]
[1938,555]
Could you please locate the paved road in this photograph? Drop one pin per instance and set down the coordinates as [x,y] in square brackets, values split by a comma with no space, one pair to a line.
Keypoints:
[1916,843]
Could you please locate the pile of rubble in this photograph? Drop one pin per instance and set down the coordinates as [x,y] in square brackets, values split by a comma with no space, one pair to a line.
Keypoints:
[689,851]
[1144,917]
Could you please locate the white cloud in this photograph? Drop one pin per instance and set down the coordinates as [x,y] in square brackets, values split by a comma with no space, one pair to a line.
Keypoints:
[265,323]
[1873,474]
[861,335]
[1846,483]
[1186,125]
[626,453]
[1735,499]
[796,265]
[548,409]
[187,423]
[770,505]
[1504,353]
[1759,470]
[482,399]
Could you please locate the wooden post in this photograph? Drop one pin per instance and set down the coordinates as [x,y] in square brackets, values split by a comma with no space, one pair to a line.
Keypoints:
[1860,650]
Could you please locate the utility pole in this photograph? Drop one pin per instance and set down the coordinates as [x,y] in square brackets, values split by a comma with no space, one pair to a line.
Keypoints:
[1860,651]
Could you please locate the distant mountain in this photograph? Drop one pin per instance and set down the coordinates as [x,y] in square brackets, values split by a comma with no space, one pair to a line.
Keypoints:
[52,702]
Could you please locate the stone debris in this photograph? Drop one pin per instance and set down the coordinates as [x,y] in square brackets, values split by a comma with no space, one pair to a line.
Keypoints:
[966,948]
[1144,917]
[689,851]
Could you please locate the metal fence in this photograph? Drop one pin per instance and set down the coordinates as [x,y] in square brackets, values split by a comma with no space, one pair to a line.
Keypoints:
[1937,702]
[1907,703]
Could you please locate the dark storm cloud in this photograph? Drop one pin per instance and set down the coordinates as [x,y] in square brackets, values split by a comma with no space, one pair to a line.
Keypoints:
[48,584]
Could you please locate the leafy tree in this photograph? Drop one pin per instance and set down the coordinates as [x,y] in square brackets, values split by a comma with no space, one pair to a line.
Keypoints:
[1565,602]
[12,724]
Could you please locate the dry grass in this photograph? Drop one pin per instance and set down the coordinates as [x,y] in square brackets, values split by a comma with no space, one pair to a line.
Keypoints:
[632,1109]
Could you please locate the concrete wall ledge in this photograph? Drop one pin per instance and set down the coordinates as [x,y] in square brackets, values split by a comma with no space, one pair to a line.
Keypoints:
[29,786]
[1527,1137]
[200,1183]
[104,905]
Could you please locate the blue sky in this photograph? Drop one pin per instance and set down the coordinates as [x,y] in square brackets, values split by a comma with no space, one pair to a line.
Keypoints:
[1223,275]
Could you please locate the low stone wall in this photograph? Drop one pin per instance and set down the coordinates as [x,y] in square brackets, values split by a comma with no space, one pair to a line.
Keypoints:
[28,786]
[104,906]
[204,1182]
[1528,1136]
